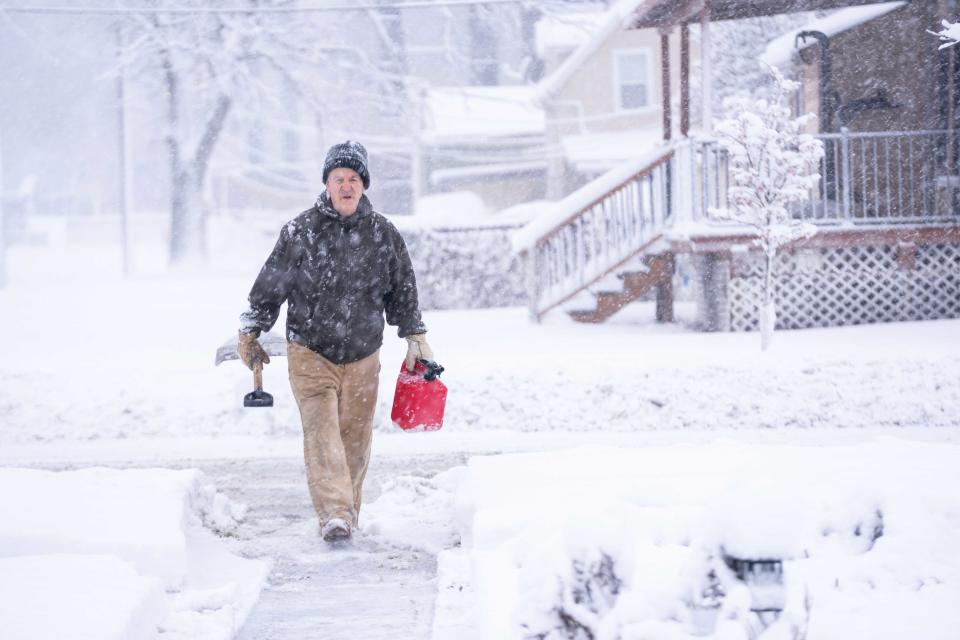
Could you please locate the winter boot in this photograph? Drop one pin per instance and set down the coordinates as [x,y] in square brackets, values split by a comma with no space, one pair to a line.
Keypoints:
[335,529]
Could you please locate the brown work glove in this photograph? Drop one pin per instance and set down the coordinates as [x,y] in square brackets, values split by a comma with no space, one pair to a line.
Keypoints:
[417,348]
[250,350]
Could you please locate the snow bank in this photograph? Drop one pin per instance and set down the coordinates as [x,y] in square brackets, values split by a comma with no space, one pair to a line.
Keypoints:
[102,545]
[81,597]
[137,515]
[631,542]
[415,511]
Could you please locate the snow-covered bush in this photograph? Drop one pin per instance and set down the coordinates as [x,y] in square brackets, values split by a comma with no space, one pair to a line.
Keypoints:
[465,269]
[772,164]
[589,592]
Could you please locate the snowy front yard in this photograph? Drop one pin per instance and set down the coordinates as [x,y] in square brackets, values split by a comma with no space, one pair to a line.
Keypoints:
[610,465]
[602,542]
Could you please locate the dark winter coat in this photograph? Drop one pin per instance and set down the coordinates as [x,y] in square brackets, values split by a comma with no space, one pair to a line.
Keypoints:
[338,276]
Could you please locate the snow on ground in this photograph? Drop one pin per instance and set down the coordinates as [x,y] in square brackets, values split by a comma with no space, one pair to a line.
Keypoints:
[86,597]
[98,369]
[120,554]
[127,360]
[621,541]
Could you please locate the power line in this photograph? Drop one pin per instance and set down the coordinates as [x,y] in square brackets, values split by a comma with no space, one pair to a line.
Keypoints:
[408,4]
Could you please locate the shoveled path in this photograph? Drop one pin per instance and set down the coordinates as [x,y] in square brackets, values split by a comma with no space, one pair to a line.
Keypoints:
[367,589]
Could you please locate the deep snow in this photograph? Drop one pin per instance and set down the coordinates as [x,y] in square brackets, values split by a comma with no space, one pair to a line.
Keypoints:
[104,553]
[100,370]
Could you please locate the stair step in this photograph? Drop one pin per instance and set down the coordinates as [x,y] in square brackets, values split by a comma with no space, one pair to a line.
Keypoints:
[586,315]
[636,281]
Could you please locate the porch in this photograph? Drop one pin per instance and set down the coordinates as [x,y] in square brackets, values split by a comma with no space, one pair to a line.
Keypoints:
[887,248]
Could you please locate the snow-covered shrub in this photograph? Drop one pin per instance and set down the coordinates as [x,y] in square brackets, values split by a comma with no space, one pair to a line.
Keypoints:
[465,269]
[588,593]
[772,164]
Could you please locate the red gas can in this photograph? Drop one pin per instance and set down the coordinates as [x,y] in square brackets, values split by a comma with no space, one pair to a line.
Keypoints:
[420,398]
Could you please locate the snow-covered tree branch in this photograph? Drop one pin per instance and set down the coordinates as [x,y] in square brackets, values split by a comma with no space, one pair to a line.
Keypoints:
[772,165]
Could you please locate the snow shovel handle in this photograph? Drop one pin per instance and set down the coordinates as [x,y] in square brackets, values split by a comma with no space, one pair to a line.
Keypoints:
[258,376]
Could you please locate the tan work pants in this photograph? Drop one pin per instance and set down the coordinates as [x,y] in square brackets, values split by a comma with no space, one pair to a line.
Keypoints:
[336,403]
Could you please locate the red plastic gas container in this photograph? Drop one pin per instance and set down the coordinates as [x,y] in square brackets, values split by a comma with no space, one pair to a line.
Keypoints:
[418,402]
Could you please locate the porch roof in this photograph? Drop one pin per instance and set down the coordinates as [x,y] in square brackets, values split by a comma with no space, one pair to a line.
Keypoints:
[668,13]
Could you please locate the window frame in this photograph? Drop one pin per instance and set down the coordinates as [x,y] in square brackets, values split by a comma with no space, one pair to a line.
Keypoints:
[618,55]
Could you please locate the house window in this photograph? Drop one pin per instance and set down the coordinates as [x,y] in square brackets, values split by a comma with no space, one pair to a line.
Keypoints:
[633,79]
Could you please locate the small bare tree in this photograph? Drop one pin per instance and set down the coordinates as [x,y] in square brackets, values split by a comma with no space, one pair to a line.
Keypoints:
[772,165]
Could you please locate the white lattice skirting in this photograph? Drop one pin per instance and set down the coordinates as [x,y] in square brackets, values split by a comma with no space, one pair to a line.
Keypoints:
[853,285]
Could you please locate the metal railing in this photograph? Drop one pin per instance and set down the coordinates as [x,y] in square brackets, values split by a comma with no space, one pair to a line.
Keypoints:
[603,232]
[892,177]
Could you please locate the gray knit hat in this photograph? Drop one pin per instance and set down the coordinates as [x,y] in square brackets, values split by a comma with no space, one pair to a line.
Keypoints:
[349,154]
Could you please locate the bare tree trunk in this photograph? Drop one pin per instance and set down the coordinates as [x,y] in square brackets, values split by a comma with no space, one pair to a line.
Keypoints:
[187,220]
[188,214]
[768,311]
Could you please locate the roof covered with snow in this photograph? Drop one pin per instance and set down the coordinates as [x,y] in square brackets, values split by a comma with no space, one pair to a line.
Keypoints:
[458,112]
[780,50]
[566,31]
[599,152]
[660,13]
[618,17]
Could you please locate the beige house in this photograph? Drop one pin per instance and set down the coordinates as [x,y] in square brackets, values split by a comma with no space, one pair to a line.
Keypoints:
[604,103]
[599,103]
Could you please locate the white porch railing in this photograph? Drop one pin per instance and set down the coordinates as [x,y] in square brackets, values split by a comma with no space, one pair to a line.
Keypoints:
[897,177]
[597,229]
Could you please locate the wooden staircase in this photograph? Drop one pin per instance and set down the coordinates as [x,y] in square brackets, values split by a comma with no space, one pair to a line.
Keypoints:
[634,285]
[612,226]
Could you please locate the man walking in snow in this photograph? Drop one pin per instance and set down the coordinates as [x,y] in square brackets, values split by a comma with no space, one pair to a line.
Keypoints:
[339,266]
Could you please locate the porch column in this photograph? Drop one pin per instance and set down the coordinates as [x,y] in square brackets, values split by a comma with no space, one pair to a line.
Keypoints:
[665,291]
[3,239]
[665,82]
[684,80]
[706,72]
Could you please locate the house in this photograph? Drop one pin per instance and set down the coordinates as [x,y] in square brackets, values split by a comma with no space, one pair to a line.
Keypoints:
[888,244]
[862,73]
[604,101]
[597,103]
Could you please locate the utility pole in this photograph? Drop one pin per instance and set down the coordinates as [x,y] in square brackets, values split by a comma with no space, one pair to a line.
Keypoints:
[3,224]
[123,196]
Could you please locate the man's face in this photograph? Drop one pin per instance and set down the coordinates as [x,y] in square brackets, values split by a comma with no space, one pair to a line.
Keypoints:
[345,187]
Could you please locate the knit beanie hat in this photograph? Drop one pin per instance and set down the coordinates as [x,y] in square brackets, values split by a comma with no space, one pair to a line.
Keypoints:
[349,154]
